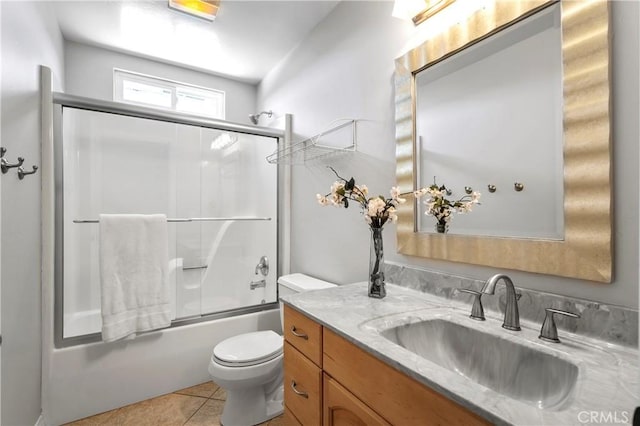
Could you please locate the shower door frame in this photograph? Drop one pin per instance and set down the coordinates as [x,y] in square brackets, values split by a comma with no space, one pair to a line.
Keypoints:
[61,100]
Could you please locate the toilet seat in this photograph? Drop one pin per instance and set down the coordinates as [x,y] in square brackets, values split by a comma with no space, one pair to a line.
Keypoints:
[248,349]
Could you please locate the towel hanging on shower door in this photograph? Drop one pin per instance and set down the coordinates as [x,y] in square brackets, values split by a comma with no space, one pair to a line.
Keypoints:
[134,259]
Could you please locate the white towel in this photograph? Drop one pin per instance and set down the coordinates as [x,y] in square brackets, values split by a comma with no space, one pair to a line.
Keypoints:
[134,262]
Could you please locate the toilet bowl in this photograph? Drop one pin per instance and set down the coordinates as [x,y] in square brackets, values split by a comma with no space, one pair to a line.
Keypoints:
[250,366]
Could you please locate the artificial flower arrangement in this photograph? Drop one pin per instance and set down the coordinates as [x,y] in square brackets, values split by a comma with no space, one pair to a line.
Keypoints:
[376,210]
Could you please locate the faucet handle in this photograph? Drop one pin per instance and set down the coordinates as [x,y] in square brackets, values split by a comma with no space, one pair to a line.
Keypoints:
[477,312]
[263,266]
[549,331]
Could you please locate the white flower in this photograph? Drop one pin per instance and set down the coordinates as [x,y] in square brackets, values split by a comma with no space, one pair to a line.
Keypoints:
[395,196]
[324,201]
[337,185]
[375,206]
[434,192]
[391,211]
[465,207]
[430,203]
[419,192]
[336,198]
[363,189]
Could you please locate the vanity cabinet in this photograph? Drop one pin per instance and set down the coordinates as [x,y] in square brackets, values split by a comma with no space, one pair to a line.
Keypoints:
[332,382]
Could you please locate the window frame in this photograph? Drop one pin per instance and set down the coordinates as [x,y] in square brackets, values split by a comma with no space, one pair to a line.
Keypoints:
[121,75]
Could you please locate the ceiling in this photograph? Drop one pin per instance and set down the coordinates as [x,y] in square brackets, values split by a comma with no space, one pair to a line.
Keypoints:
[246,40]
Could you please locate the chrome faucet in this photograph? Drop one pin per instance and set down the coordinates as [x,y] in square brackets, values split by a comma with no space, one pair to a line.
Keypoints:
[511,314]
[255,284]
[263,266]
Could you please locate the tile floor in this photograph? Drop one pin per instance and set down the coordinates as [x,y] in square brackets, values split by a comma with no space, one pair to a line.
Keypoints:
[195,406]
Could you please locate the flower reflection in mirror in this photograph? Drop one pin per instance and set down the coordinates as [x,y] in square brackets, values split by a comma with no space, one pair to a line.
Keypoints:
[442,209]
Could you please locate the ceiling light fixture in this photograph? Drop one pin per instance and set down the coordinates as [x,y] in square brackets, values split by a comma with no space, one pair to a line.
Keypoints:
[206,9]
[418,10]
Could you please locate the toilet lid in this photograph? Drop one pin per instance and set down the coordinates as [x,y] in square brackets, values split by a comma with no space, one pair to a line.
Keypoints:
[249,348]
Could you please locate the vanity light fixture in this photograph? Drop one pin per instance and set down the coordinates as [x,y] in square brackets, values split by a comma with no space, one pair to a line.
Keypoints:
[206,9]
[418,10]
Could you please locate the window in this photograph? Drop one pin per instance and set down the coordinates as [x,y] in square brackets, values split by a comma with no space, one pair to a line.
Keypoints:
[156,92]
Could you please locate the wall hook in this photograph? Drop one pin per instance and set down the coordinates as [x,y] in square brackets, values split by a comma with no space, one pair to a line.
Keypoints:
[491,188]
[468,189]
[5,165]
[22,173]
[518,186]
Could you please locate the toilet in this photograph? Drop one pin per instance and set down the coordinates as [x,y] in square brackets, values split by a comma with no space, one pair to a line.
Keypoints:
[250,366]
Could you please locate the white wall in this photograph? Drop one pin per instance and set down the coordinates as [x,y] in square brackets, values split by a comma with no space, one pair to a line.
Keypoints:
[89,72]
[30,37]
[343,69]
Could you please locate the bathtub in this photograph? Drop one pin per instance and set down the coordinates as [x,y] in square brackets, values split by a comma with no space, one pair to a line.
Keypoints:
[84,380]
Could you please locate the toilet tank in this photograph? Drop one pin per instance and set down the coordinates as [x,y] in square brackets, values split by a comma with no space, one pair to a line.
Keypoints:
[298,283]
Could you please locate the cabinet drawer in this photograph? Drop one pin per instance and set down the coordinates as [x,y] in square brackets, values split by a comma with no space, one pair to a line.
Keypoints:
[342,408]
[302,387]
[304,334]
[403,400]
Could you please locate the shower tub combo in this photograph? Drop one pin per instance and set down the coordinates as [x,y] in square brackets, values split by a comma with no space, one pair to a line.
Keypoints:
[210,178]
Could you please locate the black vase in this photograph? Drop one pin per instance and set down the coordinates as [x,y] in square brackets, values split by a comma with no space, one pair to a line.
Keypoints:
[376,263]
[442,227]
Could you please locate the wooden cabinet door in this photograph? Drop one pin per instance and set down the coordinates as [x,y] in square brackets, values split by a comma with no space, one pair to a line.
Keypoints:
[341,408]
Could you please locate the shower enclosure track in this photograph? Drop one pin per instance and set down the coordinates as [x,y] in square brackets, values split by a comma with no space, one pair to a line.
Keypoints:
[120,108]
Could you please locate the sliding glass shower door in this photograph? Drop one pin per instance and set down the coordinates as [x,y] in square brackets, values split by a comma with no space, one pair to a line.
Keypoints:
[215,187]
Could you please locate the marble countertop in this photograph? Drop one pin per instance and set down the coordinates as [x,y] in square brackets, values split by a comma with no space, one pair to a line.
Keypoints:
[608,375]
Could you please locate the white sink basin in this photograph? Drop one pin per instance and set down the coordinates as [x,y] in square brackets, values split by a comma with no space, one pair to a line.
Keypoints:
[519,372]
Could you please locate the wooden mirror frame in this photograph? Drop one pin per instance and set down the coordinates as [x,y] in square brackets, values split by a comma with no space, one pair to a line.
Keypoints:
[586,250]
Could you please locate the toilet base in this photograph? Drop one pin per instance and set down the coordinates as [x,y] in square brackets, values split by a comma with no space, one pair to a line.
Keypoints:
[246,407]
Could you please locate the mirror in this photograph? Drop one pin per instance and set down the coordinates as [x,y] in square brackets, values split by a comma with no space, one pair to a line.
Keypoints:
[516,136]
[577,239]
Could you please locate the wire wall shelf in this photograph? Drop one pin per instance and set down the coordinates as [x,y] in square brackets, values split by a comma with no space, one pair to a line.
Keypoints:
[338,139]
